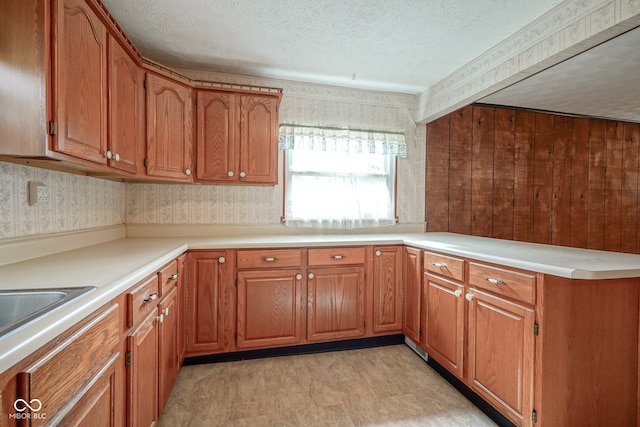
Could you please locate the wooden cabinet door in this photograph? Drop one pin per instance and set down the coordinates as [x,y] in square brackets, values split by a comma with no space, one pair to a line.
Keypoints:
[217,131]
[501,352]
[79,81]
[125,109]
[168,359]
[270,308]
[258,139]
[169,128]
[96,407]
[182,306]
[387,289]
[444,322]
[208,301]
[142,372]
[412,278]
[335,303]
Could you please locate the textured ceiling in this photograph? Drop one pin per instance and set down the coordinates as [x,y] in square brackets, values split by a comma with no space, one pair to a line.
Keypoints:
[389,45]
[601,82]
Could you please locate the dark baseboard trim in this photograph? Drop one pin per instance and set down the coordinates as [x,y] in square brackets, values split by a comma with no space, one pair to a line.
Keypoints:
[489,410]
[296,350]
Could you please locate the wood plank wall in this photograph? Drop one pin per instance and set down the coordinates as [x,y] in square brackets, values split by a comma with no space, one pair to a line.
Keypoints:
[534,177]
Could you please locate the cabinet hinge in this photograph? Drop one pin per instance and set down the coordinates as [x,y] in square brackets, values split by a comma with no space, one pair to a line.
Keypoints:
[534,416]
[146,163]
[236,282]
[535,329]
[52,128]
[128,359]
[144,83]
[420,332]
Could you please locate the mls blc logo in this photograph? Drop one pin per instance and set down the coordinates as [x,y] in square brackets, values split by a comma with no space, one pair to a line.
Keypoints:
[34,405]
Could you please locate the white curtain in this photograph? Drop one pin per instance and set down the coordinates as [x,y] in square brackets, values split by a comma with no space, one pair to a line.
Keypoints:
[340,178]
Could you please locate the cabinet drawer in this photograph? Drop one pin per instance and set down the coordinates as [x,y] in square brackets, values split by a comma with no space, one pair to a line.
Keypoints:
[510,283]
[444,265]
[56,378]
[336,256]
[141,300]
[168,276]
[261,258]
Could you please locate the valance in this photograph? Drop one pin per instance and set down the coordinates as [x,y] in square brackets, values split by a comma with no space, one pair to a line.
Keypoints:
[301,137]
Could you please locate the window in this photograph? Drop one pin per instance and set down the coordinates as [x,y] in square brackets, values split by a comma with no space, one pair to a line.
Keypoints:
[335,178]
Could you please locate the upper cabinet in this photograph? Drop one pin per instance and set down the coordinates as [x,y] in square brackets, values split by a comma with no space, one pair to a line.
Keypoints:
[126,110]
[237,137]
[79,125]
[169,128]
[75,96]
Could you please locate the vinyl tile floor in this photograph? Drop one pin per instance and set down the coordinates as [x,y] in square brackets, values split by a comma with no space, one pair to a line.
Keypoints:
[382,386]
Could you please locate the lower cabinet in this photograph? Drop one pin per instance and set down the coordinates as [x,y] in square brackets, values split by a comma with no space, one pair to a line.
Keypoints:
[336,293]
[270,307]
[386,291]
[500,354]
[73,380]
[210,302]
[444,327]
[412,295]
[142,372]
[168,351]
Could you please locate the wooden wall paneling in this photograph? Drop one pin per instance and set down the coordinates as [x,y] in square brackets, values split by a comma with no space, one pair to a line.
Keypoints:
[482,171]
[579,183]
[543,178]
[629,200]
[437,175]
[561,202]
[613,187]
[523,176]
[597,165]
[460,128]
[503,175]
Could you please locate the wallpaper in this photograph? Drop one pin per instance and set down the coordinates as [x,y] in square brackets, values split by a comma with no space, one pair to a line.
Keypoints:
[75,202]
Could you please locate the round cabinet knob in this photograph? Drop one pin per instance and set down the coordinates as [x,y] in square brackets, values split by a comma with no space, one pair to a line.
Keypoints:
[174,276]
[221,260]
[458,293]
[161,318]
[188,172]
[298,276]
[469,297]
[166,311]
[151,297]
[117,157]
[230,173]
[311,276]
[378,253]
[109,154]
[242,174]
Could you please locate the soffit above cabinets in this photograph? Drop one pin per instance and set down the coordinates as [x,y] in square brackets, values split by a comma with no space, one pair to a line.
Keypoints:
[601,82]
[387,45]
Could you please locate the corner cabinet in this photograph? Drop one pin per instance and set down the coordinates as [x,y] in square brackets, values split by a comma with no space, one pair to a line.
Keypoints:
[237,137]
[169,128]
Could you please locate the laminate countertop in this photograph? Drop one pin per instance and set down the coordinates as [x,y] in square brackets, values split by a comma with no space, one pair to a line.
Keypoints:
[115,266]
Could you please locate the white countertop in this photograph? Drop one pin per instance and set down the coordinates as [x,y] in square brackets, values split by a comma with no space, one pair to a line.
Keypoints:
[115,266]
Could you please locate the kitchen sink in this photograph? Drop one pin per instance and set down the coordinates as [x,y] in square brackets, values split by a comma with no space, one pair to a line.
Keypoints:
[20,307]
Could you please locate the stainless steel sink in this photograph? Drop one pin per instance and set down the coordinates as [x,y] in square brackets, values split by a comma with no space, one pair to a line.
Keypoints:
[19,307]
